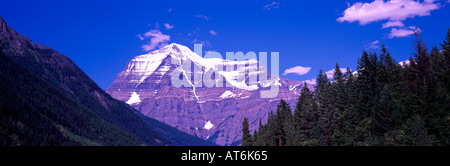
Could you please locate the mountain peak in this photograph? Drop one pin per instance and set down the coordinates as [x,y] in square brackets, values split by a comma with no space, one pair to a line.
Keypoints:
[175,48]
[3,25]
[142,67]
[9,34]
[175,45]
[2,21]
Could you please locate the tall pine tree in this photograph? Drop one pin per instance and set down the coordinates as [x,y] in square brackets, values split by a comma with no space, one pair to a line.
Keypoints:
[339,95]
[443,125]
[284,129]
[246,137]
[305,117]
[385,115]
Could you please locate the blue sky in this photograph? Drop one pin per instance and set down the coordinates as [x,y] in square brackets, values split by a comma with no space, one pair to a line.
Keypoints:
[102,36]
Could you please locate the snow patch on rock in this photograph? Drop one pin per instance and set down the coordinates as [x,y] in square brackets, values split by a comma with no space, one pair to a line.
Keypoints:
[227,94]
[208,125]
[134,99]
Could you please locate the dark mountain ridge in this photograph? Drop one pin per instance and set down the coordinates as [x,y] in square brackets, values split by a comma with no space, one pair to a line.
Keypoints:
[41,83]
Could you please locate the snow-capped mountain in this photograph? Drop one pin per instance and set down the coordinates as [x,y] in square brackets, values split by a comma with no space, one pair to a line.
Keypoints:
[212,113]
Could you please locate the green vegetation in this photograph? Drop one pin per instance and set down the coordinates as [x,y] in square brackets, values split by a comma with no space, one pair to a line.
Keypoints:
[42,89]
[82,140]
[246,137]
[32,112]
[385,103]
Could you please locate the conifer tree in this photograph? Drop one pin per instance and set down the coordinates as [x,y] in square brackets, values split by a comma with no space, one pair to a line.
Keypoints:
[262,136]
[255,138]
[384,65]
[363,89]
[305,116]
[385,115]
[421,67]
[415,132]
[246,137]
[444,94]
[446,52]
[366,89]
[338,87]
[337,73]
[321,80]
[325,106]
[339,103]
[283,122]
[348,120]
[271,130]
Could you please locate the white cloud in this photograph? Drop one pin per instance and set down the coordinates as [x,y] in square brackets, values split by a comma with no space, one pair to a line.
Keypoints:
[372,45]
[299,70]
[168,26]
[140,37]
[203,17]
[330,73]
[157,39]
[392,10]
[311,81]
[169,10]
[196,31]
[273,5]
[156,25]
[195,41]
[403,32]
[393,24]
[212,32]
[203,43]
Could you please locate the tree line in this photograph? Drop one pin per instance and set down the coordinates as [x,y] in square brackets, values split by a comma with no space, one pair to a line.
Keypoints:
[383,103]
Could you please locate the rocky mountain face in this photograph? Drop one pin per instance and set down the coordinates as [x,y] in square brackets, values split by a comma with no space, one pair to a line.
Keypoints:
[45,96]
[211,113]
